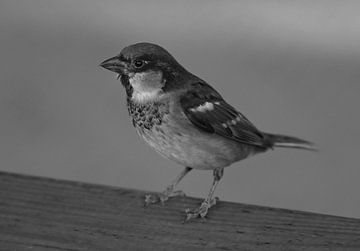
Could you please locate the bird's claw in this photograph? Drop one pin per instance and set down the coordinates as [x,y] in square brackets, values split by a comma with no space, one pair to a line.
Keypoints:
[200,212]
[162,197]
[151,199]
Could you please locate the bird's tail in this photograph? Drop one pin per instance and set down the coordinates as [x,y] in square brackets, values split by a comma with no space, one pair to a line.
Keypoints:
[278,140]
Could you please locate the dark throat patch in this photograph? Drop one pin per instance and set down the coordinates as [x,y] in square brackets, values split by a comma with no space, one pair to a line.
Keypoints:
[146,116]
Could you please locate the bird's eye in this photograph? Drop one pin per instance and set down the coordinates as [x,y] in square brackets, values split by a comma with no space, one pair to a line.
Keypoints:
[139,63]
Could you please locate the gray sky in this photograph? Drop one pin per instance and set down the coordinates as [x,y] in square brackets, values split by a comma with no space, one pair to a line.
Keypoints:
[290,67]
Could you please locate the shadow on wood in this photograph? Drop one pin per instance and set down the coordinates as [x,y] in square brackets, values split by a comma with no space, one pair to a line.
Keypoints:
[47,214]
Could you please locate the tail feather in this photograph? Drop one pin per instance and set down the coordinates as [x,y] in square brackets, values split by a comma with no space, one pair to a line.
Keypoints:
[278,140]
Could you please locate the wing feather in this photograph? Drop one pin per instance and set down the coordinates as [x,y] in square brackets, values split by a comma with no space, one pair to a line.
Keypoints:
[208,111]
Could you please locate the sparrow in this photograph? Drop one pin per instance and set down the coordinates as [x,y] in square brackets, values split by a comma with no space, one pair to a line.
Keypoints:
[186,120]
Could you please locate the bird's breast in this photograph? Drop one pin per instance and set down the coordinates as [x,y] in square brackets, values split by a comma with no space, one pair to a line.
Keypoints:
[146,116]
[169,132]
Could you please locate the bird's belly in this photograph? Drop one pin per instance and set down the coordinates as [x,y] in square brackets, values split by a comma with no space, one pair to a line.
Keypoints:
[193,148]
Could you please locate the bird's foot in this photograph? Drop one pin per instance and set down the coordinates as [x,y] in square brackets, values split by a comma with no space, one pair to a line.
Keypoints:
[161,197]
[202,211]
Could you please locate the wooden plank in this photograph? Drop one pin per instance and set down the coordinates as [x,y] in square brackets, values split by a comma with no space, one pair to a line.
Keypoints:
[47,214]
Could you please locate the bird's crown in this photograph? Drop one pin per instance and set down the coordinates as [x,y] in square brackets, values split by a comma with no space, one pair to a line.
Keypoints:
[139,50]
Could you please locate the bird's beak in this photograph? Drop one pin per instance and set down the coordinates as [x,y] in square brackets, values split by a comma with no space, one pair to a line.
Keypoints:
[114,64]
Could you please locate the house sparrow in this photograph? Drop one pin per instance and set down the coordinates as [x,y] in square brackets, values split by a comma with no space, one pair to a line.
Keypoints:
[186,120]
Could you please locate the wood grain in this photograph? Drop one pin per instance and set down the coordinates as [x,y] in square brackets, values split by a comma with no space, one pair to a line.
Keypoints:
[47,214]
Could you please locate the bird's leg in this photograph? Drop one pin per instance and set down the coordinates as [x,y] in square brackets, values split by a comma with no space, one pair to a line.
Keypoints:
[169,191]
[209,201]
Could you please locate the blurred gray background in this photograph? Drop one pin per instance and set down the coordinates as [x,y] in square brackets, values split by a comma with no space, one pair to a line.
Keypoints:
[291,67]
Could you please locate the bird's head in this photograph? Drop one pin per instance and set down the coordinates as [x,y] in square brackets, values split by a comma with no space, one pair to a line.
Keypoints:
[146,70]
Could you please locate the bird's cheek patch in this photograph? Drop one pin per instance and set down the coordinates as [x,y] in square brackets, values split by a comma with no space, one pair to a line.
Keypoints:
[146,81]
[147,85]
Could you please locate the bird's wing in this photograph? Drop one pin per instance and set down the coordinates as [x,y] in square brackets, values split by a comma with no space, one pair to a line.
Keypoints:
[208,111]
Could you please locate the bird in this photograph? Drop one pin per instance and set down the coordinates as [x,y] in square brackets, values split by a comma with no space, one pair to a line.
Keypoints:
[186,120]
